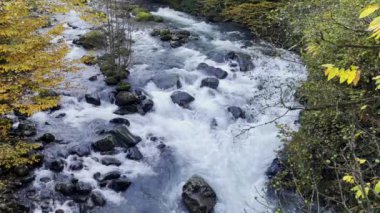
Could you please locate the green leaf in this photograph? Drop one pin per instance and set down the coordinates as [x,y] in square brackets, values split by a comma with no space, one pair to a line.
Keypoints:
[369,10]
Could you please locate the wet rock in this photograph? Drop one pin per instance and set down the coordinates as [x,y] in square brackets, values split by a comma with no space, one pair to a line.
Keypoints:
[212,71]
[212,83]
[108,161]
[59,211]
[155,32]
[56,165]
[28,179]
[126,98]
[182,34]
[111,81]
[107,176]
[236,112]
[45,179]
[26,129]
[176,44]
[275,168]
[120,121]
[93,78]
[146,106]
[76,166]
[244,60]
[80,150]
[134,153]
[47,138]
[124,138]
[61,115]
[182,98]
[166,37]
[126,110]
[98,198]
[119,185]
[167,80]
[92,99]
[65,188]
[21,171]
[80,198]
[198,196]
[83,188]
[105,144]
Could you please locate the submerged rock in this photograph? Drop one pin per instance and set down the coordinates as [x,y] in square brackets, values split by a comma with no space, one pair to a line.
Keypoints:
[146,106]
[212,71]
[80,150]
[212,83]
[167,80]
[66,188]
[92,99]
[105,144]
[236,112]
[134,153]
[182,98]
[125,110]
[108,161]
[198,196]
[83,188]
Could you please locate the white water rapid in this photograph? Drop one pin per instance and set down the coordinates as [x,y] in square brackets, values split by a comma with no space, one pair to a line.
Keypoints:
[233,164]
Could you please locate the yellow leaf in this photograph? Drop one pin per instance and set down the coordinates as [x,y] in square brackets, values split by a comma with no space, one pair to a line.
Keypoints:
[377,187]
[361,161]
[369,10]
[332,73]
[348,179]
[357,78]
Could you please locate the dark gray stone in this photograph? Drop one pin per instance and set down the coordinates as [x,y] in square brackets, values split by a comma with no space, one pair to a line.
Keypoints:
[92,99]
[134,153]
[98,198]
[76,165]
[66,188]
[212,71]
[119,185]
[108,161]
[146,106]
[56,165]
[120,121]
[83,188]
[124,138]
[107,176]
[80,150]
[125,98]
[47,138]
[236,112]
[212,83]
[198,196]
[126,110]
[105,144]
[182,98]
[93,78]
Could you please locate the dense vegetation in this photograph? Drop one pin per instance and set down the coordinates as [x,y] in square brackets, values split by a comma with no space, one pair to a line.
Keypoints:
[333,160]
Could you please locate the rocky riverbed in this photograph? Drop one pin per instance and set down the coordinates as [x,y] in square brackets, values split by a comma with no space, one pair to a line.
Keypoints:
[168,138]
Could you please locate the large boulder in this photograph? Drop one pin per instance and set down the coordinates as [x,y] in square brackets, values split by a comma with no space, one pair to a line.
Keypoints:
[91,40]
[119,185]
[198,196]
[125,98]
[182,98]
[124,138]
[98,198]
[56,165]
[47,138]
[126,110]
[104,145]
[83,188]
[146,106]
[236,112]
[244,60]
[92,99]
[80,150]
[167,80]
[212,71]
[212,83]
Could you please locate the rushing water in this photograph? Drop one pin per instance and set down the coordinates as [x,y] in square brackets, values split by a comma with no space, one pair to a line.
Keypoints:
[232,163]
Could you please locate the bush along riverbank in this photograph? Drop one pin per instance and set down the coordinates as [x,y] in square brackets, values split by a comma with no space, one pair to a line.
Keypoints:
[332,161]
